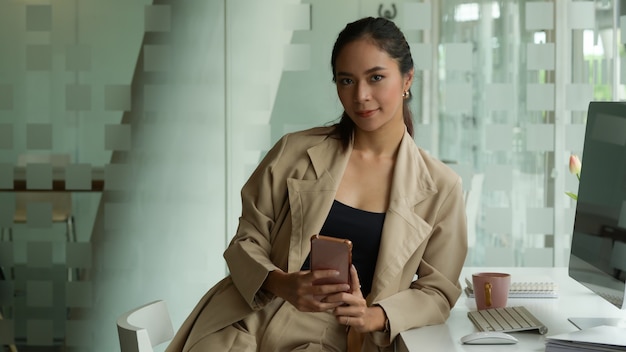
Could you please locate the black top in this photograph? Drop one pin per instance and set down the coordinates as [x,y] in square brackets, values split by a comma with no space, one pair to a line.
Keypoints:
[364,229]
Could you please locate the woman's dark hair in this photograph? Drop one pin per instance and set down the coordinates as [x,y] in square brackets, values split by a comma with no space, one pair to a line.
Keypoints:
[388,37]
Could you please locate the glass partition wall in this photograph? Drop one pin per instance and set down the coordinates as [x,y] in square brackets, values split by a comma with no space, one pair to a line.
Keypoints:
[128,128]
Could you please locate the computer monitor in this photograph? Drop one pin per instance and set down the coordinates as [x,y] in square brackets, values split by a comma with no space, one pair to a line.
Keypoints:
[598,250]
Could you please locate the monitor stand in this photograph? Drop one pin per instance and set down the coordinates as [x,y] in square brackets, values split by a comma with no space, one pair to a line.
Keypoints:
[583,323]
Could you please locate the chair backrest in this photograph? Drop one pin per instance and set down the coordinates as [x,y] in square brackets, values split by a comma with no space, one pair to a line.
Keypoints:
[144,327]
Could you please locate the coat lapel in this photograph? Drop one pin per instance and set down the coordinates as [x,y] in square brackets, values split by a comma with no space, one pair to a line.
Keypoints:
[403,230]
[311,199]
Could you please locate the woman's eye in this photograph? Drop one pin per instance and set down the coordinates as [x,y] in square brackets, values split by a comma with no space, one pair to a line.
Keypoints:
[376,78]
[345,81]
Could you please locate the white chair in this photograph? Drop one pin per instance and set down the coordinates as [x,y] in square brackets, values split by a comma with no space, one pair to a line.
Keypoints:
[144,327]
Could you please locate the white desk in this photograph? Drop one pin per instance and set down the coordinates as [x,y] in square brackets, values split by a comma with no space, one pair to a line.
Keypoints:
[574,300]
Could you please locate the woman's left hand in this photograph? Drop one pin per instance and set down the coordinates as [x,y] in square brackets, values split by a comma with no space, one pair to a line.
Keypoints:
[355,312]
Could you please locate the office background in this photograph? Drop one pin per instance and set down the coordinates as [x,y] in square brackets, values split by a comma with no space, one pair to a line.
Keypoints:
[172,104]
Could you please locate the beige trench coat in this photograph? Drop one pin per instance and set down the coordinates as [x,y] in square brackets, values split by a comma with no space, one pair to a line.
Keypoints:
[287,199]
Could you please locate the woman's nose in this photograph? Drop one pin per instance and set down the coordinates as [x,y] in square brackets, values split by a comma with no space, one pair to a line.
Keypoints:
[362,92]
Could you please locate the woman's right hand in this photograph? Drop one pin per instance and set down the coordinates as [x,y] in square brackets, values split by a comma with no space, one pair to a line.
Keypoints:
[298,289]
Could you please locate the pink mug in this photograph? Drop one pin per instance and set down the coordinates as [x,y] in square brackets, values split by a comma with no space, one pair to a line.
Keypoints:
[491,290]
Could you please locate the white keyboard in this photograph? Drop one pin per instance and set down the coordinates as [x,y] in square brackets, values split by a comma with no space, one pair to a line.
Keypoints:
[506,319]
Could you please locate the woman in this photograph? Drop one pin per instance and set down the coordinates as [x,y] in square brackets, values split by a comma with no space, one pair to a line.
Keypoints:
[363,179]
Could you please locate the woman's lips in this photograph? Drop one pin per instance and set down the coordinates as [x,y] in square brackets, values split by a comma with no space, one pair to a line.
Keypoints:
[366,113]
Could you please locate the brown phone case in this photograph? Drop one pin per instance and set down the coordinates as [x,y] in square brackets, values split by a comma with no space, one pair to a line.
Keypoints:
[331,253]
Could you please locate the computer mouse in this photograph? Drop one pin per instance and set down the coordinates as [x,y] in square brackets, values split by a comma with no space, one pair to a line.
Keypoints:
[488,338]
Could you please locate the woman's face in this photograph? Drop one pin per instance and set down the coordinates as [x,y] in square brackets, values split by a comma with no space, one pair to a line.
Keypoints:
[370,86]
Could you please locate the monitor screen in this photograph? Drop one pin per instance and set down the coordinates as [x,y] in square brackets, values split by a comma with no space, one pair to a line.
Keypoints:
[598,250]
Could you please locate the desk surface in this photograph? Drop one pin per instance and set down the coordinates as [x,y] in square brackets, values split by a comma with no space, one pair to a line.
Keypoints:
[57,184]
[574,300]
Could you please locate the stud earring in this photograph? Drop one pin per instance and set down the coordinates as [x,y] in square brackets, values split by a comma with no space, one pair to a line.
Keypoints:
[406,94]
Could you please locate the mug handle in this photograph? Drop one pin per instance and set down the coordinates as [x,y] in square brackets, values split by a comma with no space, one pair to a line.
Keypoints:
[488,294]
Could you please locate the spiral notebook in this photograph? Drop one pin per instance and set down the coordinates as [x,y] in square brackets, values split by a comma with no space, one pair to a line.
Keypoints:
[524,288]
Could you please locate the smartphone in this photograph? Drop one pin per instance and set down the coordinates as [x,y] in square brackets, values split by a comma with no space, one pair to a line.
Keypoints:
[331,253]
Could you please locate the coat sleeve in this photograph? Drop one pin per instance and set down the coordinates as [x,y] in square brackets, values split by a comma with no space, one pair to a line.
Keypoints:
[430,298]
[264,200]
